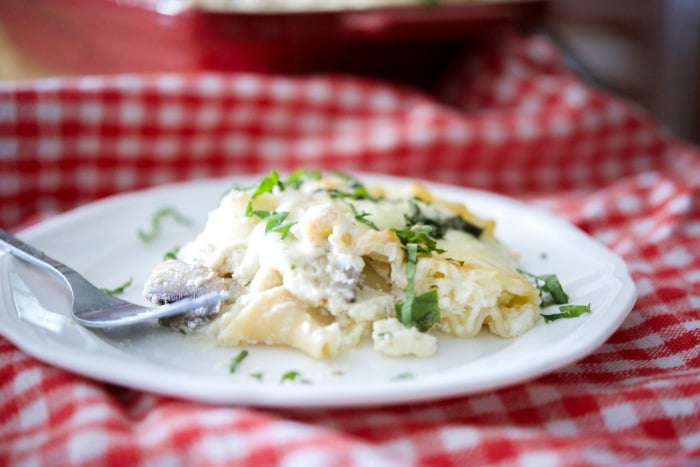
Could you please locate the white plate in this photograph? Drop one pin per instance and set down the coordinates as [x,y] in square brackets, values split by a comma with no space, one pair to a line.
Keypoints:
[100,240]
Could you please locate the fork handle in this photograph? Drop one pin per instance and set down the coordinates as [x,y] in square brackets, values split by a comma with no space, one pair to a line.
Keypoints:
[27,252]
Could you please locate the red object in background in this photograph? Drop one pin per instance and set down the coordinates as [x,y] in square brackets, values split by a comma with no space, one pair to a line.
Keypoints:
[108,36]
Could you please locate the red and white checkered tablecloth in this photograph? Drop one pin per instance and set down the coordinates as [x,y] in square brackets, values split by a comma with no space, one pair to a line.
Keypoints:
[510,118]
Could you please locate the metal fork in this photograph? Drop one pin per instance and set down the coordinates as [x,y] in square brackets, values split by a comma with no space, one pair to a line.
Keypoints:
[92,307]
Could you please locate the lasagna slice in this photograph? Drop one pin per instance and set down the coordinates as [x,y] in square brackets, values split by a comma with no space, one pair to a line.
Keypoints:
[319,262]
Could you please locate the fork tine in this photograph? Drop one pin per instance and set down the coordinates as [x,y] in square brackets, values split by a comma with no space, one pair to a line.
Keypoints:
[83,291]
[124,314]
[28,253]
[91,306]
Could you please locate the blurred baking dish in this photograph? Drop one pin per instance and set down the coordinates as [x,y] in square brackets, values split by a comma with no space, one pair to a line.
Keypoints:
[290,36]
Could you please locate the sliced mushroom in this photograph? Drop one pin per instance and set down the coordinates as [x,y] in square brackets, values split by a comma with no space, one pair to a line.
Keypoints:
[174,280]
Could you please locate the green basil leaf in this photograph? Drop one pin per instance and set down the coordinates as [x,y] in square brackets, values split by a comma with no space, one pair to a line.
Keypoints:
[568,311]
[290,376]
[362,217]
[266,185]
[419,235]
[553,287]
[357,189]
[118,290]
[275,221]
[157,220]
[405,312]
[425,311]
[296,178]
[551,290]
[172,253]
[438,225]
[235,363]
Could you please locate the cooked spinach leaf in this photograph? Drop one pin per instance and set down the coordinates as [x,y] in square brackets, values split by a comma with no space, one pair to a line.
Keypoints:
[440,225]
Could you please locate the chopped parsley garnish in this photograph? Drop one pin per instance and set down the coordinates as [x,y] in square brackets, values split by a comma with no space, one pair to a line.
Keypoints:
[156,221]
[233,366]
[361,216]
[257,375]
[568,311]
[172,253]
[118,290]
[440,226]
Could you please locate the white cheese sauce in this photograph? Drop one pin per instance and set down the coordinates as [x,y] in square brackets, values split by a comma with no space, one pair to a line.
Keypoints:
[332,272]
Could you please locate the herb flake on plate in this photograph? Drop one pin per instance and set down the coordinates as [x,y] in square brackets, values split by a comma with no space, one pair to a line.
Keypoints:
[567,311]
[119,290]
[552,293]
[293,376]
[237,360]
[148,236]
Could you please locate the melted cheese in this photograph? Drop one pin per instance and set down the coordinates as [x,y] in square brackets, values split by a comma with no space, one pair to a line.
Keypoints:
[333,279]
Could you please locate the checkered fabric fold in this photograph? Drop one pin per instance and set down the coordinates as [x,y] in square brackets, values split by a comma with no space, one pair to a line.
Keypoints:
[508,118]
